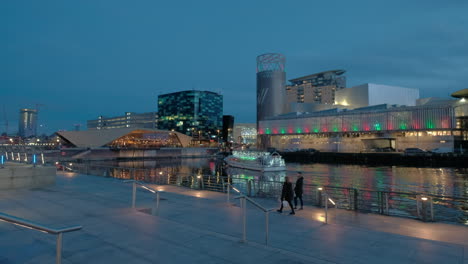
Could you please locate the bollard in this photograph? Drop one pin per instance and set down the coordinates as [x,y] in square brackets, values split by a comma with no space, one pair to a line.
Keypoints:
[319,196]
[42,157]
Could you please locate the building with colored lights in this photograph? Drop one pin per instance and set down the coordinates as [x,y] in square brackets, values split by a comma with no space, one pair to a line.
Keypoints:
[194,113]
[128,120]
[317,88]
[27,126]
[381,127]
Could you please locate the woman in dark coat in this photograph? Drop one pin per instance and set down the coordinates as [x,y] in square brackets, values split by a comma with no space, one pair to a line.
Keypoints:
[287,194]
[298,190]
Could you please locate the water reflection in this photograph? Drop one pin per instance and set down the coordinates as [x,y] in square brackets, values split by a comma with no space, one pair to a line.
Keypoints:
[353,187]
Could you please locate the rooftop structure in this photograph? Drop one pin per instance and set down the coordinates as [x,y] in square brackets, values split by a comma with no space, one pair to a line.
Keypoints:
[271,80]
[369,94]
[316,88]
[124,138]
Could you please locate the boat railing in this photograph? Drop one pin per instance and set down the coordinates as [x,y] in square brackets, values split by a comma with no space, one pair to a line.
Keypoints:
[45,229]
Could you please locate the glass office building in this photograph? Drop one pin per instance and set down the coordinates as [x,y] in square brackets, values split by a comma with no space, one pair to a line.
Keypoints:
[195,113]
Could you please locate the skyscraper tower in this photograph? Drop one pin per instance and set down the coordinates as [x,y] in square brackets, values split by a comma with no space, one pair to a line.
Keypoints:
[27,123]
[271,81]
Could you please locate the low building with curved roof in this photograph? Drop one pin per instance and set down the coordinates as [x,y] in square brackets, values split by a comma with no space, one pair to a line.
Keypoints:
[124,138]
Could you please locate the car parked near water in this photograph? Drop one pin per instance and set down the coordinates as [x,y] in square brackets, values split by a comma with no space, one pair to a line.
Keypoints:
[414,151]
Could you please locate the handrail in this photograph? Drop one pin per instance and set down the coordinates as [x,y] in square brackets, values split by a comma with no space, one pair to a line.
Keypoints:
[35,226]
[243,198]
[144,186]
[28,224]
[155,207]
[254,203]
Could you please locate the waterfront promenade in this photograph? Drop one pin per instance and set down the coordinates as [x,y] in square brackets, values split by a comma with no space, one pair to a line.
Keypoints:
[201,227]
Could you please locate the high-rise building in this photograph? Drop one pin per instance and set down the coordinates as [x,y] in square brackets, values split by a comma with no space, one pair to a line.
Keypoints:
[317,88]
[27,123]
[228,127]
[271,81]
[194,113]
[129,119]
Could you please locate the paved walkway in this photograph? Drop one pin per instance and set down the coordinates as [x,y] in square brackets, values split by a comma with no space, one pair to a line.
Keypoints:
[200,227]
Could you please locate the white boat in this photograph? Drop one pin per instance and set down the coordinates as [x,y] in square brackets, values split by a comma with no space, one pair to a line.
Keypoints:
[256,160]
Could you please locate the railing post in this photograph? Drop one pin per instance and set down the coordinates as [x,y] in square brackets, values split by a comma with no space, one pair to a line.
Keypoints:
[134,194]
[386,204]
[58,257]
[432,209]
[349,199]
[244,220]
[228,193]
[355,199]
[155,211]
[418,206]
[266,228]
[326,207]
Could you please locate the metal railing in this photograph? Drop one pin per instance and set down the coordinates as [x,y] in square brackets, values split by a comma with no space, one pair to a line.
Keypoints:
[155,206]
[243,199]
[385,202]
[31,225]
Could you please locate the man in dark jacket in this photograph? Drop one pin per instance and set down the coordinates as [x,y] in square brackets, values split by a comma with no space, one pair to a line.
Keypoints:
[287,194]
[298,190]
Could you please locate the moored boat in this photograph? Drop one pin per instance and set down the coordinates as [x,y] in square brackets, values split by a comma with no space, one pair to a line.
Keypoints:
[256,160]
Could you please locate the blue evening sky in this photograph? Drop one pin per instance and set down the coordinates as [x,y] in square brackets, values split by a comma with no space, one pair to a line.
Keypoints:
[81,59]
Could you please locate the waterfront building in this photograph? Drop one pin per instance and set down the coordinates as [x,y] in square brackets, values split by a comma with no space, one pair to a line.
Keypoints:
[375,94]
[228,127]
[27,123]
[317,88]
[195,113]
[383,126]
[245,133]
[123,138]
[128,120]
[271,81]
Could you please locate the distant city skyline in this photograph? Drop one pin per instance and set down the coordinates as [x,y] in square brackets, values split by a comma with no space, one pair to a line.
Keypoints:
[77,60]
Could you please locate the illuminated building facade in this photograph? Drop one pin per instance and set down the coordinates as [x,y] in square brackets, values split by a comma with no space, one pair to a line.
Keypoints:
[316,88]
[128,120]
[374,127]
[245,133]
[27,123]
[194,113]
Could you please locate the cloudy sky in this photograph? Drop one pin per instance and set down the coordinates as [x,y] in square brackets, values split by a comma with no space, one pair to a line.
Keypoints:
[80,59]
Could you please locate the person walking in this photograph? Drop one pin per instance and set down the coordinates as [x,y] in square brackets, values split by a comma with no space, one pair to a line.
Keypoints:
[298,190]
[287,195]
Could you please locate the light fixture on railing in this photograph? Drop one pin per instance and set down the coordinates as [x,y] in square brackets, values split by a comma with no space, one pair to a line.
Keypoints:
[424,198]
[319,188]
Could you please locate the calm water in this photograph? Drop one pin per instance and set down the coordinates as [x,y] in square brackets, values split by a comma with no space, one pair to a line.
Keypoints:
[438,181]
[449,186]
